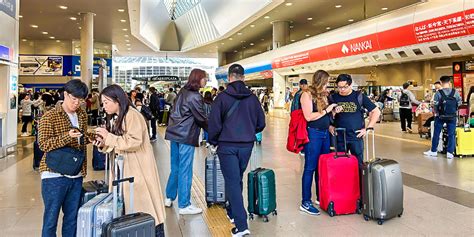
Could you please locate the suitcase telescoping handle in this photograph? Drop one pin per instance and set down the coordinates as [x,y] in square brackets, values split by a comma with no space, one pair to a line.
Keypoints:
[370,135]
[116,186]
[334,139]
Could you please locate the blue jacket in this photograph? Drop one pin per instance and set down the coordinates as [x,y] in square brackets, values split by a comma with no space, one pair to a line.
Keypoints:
[239,129]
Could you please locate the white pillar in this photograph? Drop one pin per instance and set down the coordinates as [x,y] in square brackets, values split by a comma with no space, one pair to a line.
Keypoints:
[87,47]
[281,33]
[221,59]
[279,87]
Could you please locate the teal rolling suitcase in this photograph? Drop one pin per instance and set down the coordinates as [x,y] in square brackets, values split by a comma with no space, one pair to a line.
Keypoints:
[261,193]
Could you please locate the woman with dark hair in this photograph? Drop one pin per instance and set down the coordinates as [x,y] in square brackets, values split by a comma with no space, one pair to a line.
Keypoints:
[133,96]
[127,135]
[317,113]
[186,119]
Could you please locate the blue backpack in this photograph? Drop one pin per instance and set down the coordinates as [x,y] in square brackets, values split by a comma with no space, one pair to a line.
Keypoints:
[448,106]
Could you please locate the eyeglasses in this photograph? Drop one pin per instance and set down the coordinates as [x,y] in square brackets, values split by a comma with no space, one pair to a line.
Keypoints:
[343,87]
[75,100]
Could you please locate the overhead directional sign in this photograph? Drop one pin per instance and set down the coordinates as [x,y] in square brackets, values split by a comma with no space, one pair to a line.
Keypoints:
[156,78]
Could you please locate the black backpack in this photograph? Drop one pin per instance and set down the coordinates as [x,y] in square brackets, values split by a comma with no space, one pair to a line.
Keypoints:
[404,100]
[448,106]
[146,112]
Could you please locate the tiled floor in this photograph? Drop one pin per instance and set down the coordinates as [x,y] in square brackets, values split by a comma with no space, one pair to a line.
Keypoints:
[438,193]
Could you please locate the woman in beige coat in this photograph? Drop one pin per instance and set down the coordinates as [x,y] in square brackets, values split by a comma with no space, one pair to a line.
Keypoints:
[129,137]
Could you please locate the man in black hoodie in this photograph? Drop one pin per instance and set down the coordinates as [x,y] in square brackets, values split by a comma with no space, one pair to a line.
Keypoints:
[236,116]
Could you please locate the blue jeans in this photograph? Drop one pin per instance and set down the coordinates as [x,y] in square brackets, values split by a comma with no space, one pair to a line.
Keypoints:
[205,136]
[234,161]
[438,126]
[181,175]
[60,193]
[319,143]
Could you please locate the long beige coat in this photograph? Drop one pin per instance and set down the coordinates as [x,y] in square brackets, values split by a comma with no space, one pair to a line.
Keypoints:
[139,162]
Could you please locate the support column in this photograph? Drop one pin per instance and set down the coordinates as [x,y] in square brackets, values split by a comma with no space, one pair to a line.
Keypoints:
[426,75]
[221,59]
[279,87]
[87,48]
[281,33]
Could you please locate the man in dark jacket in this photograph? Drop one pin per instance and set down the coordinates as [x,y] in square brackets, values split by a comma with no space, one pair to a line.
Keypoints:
[236,116]
[155,110]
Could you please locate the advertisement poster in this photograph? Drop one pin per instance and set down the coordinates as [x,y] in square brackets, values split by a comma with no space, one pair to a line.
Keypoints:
[41,65]
[9,7]
[13,91]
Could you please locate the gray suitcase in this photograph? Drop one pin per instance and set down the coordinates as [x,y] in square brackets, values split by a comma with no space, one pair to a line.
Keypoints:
[215,185]
[136,224]
[91,216]
[382,187]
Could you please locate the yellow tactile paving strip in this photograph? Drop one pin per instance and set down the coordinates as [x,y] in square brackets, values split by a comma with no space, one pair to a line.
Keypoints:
[215,216]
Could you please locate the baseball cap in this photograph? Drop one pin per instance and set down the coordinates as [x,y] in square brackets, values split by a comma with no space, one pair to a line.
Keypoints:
[303,82]
[237,69]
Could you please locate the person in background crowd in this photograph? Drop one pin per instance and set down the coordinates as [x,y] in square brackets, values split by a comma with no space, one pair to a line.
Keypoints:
[207,109]
[155,109]
[186,119]
[171,97]
[354,106]
[221,89]
[442,116]
[406,99]
[140,95]
[147,115]
[128,136]
[26,115]
[296,100]
[62,192]
[437,87]
[162,110]
[287,98]
[88,103]
[265,101]
[133,96]
[214,93]
[470,99]
[95,100]
[318,113]
[235,145]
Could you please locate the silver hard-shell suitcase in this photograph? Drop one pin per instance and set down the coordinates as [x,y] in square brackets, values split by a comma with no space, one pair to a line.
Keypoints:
[87,217]
[382,187]
[215,185]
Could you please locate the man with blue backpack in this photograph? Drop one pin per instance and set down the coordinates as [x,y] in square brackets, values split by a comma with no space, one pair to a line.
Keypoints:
[446,104]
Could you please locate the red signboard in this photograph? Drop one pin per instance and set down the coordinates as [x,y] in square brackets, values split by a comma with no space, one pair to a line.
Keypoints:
[440,28]
[267,74]
[457,80]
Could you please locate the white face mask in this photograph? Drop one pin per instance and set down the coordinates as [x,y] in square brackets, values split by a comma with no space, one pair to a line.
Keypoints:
[139,107]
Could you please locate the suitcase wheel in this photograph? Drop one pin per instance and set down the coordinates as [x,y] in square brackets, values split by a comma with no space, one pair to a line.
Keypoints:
[366,218]
[358,207]
[275,213]
[265,218]
[331,210]
[250,216]
[209,204]
[400,215]
[380,222]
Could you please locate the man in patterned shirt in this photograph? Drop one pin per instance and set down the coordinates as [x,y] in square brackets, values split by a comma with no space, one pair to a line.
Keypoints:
[56,131]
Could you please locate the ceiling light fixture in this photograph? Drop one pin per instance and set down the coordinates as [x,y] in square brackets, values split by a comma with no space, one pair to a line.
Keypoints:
[338,6]
[121,10]
[34,26]
[310,18]
[240,33]
[288,4]
[222,43]
[262,39]
[266,17]
[124,29]
[73,18]
[24,40]
[127,41]
[126,35]
[293,40]
[44,33]
[63,7]
[307,35]
[58,41]
[52,37]
[328,28]
[252,44]
[123,20]
[128,44]
[384,8]
[235,51]
[20,16]
[350,20]
[252,26]
[129,49]
[231,39]
[79,28]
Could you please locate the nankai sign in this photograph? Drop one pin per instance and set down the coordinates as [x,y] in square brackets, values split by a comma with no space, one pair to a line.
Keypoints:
[440,28]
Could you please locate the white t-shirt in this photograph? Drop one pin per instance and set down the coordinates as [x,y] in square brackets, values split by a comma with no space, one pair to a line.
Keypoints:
[48,174]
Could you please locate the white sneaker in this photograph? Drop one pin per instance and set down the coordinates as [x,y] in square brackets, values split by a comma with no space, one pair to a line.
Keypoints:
[316,202]
[236,233]
[449,155]
[430,153]
[190,210]
[25,134]
[168,202]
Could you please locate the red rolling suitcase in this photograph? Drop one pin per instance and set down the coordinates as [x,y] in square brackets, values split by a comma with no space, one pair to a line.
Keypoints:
[339,181]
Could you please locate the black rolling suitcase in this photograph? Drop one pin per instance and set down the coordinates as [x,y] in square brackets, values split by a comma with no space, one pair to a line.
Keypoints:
[37,155]
[136,224]
[90,189]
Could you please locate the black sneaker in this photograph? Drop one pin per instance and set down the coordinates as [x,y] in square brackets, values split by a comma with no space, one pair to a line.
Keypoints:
[236,233]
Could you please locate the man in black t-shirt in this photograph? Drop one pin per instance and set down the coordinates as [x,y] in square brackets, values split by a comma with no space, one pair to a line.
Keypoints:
[355,104]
